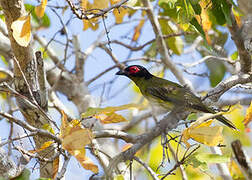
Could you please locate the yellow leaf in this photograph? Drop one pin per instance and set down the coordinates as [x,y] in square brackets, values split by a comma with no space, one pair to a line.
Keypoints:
[119,13]
[204,20]
[22,30]
[3,75]
[96,111]
[40,10]
[236,115]
[74,139]
[174,43]
[64,123]
[119,177]
[108,115]
[137,30]
[77,139]
[92,23]
[55,167]
[248,117]
[100,4]
[131,3]
[84,4]
[89,165]
[44,146]
[48,127]
[126,146]
[203,133]
[73,135]
[111,117]
[237,16]
[85,162]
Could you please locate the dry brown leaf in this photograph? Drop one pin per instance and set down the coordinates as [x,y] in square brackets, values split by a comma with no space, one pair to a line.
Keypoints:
[21,29]
[55,167]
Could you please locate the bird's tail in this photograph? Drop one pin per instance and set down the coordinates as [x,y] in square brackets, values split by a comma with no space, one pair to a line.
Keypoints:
[226,121]
[219,118]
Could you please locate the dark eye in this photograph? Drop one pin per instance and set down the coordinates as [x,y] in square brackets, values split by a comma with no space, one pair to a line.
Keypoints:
[134,69]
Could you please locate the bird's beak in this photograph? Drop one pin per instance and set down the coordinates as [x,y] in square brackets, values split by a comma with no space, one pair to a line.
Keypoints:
[121,72]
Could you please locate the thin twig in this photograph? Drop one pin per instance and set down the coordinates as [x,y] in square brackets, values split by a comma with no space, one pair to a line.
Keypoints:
[88,14]
[151,172]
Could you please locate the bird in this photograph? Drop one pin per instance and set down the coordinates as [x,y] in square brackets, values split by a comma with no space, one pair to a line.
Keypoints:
[167,94]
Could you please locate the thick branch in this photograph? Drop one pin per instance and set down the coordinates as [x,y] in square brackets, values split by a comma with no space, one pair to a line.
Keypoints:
[245,58]
[225,85]
[166,124]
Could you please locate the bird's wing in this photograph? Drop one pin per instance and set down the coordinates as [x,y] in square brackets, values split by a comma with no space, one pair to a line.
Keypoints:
[167,93]
[178,95]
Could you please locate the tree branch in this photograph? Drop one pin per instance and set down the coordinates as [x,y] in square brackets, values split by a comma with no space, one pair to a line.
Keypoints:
[88,14]
[214,94]
[245,57]
[166,124]
[115,134]
[152,173]
[162,45]
[30,128]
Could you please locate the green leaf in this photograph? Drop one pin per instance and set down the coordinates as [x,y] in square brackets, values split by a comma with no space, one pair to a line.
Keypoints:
[170,3]
[174,43]
[25,175]
[196,163]
[234,56]
[213,158]
[119,177]
[48,128]
[226,9]
[196,7]
[216,13]
[156,156]
[169,9]
[217,71]
[195,23]
[192,116]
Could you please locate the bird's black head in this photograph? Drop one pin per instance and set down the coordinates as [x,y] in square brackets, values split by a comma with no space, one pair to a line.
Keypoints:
[135,71]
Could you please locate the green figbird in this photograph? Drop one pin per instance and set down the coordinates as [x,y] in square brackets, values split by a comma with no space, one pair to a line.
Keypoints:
[167,94]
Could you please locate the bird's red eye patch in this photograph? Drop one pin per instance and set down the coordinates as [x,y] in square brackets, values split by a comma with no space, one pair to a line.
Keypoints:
[134,69]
